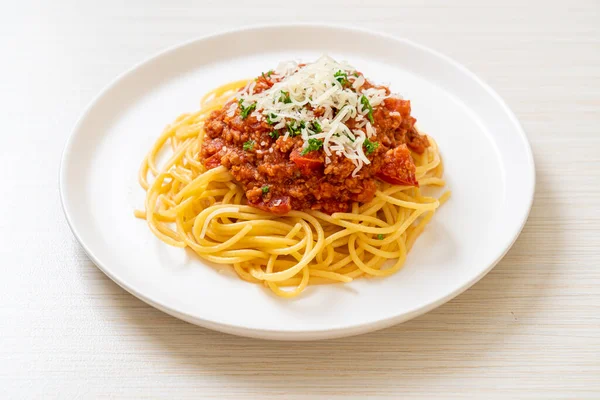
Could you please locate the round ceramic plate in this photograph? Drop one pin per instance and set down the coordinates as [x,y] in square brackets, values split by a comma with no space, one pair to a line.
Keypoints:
[489,168]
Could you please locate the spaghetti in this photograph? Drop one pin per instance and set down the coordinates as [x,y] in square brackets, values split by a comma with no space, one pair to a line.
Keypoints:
[189,205]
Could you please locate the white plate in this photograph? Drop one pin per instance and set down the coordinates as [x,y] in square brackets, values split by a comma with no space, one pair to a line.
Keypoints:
[489,168]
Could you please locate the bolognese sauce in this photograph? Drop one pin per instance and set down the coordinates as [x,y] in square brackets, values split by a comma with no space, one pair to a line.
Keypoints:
[313,137]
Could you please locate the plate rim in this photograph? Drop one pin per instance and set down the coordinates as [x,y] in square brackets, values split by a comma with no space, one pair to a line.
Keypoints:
[313,333]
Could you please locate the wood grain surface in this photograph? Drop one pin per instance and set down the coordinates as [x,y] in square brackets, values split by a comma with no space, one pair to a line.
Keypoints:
[529,329]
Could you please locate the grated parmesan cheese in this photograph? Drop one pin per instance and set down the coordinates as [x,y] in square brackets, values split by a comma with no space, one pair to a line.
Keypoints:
[231,109]
[319,85]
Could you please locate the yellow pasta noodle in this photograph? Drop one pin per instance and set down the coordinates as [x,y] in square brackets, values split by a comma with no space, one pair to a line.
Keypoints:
[189,206]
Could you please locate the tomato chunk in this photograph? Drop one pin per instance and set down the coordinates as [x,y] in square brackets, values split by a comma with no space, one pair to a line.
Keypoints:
[213,161]
[398,105]
[308,162]
[279,205]
[398,167]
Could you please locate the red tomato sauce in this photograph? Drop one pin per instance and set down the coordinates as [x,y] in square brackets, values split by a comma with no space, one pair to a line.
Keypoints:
[277,177]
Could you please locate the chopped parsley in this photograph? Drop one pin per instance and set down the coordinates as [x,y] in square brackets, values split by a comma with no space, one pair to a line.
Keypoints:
[316,126]
[313,145]
[380,236]
[270,118]
[245,111]
[249,145]
[265,189]
[365,102]
[295,128]
[285,97]
[274,134]
[268,74]
[356,74]
[370,146]
[341,77]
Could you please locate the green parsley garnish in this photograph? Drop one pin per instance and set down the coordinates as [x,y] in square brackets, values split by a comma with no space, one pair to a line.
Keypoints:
[245,111]
[316,126]
[313,145]
[285,97]
[265,189]
[356,74]
[380,236]
[365,102]
[370,146]
[295,128]
[274,134]
[270,119]
[249,145]
[268,74]
[341,77]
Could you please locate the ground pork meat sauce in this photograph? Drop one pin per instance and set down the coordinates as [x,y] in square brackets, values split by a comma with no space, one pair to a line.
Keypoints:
[278,174]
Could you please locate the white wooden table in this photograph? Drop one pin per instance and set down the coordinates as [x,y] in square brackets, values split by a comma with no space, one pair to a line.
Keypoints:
[530,329]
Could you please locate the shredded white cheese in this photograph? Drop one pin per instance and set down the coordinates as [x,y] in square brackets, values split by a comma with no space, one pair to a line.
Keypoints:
[231,109]
[320,85]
